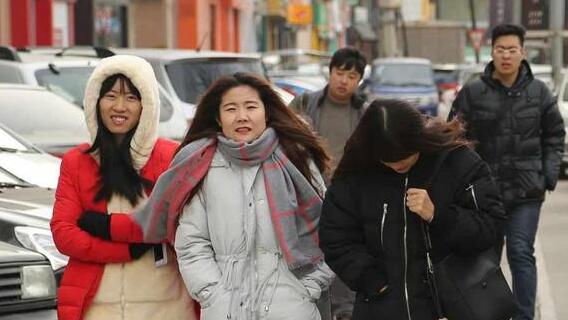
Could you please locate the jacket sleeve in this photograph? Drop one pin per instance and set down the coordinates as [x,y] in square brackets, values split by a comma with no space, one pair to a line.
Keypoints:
[69,239]
[552,140]
[474,220]
[342,241]
[195,255]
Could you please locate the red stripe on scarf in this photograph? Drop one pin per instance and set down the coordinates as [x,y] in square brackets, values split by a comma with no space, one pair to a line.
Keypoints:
[276,221]
[302,210]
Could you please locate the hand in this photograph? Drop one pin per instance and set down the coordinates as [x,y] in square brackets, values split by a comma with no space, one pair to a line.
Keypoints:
[418,201]
[96,224]
[138,249]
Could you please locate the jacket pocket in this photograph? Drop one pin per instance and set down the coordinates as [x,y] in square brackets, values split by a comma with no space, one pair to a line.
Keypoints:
[209,295]
[528,122]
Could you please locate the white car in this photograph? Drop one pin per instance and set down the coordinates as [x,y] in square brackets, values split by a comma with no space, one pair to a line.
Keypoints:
[22,163]
[43,118]
[66,71]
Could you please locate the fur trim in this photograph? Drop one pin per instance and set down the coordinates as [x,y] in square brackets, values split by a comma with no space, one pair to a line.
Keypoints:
[142,76]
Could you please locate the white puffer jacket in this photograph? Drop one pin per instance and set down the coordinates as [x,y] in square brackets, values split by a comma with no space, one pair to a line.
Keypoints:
[229,254]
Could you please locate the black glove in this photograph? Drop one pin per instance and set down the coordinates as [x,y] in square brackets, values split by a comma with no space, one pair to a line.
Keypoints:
[138,249]
[96,224]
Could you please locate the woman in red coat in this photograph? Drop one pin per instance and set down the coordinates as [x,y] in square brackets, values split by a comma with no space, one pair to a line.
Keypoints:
[105,279]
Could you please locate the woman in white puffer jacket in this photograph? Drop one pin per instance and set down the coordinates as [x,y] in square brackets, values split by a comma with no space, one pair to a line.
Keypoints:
[247,239]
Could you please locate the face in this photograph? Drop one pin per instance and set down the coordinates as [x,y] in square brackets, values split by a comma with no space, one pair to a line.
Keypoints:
[507,54]
[343,83]
[120,109]
[242,115]
[404,165]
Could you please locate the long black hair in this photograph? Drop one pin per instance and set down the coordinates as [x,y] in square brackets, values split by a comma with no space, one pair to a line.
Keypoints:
[392,130]
[117,173]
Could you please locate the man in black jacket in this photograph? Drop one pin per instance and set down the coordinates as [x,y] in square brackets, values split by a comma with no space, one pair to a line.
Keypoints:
[519,131]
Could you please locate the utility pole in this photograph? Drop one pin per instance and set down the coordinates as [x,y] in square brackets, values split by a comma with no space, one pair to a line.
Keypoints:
[557,27]
[473,27]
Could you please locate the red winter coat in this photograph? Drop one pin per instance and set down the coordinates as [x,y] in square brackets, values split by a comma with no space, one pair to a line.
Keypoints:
[78,185]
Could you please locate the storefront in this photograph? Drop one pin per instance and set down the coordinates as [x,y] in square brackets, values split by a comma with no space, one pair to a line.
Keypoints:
[102,23]
[41,22]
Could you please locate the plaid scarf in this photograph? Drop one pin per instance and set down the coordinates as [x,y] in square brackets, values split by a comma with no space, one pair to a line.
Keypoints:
[294,204]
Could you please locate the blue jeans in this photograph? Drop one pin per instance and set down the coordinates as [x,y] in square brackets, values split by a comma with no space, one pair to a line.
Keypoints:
[520,233]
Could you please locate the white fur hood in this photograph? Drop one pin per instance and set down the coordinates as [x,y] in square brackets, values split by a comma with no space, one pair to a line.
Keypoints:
[142,76]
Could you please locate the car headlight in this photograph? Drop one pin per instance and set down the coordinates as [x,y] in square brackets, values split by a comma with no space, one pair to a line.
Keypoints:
[37,282]
[41,240]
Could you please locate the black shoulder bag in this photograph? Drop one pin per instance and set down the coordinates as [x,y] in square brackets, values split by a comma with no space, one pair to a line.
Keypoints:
[468,287]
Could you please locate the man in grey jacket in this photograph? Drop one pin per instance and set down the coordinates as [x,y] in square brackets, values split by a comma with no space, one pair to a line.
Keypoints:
[334,112]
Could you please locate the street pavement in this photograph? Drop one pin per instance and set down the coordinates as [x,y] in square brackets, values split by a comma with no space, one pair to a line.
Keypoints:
[551,250]
[552,255]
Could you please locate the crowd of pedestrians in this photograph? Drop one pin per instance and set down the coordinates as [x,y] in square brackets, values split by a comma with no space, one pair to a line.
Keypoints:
[311,212]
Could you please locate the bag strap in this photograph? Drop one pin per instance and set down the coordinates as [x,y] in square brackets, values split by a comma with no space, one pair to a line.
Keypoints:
[431,276]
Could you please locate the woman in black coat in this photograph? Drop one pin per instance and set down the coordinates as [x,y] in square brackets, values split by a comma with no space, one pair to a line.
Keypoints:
[384,188]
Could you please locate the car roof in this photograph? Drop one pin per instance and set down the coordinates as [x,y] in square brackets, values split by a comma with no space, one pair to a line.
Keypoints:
[181,54]
[43,60]
[402,60]
[291,52]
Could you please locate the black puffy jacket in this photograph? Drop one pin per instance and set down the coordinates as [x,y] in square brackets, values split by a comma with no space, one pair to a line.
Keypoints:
[370,239]
[519,130]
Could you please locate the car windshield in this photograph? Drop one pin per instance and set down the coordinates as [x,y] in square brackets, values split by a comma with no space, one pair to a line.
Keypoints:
[68,82]
[403,74]
[191,78]
[42,117]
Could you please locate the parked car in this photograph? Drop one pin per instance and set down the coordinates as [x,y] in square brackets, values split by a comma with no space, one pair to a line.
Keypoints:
[297,62]
[297,85]
[410,79]
[66,71]
[43,118]
[22,163]
[186,74]
[27,285]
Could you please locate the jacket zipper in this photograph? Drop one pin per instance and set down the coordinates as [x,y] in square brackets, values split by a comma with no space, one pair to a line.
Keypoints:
[405,250]
[385,210]
[472,190]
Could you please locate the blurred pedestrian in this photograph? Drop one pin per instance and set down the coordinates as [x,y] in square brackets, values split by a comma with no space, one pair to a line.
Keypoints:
[105,279]
[384,189]
[334,113]
[519,131]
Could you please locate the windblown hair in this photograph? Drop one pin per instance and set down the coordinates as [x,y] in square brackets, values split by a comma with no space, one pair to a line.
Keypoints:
[392,130]
[296,138]
[117,173]
[508,30]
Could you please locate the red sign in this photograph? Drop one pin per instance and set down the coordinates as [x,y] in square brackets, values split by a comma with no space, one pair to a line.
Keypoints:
[476,38]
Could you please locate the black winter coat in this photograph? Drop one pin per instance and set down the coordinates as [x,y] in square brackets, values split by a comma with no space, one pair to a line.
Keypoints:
[371,239]
[519,130]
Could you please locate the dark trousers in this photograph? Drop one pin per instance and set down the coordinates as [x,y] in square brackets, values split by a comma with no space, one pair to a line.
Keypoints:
[520,233]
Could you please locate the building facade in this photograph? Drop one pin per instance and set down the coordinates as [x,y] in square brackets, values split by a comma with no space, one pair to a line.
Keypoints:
[40,22]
